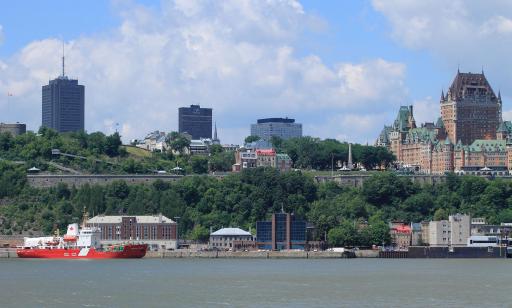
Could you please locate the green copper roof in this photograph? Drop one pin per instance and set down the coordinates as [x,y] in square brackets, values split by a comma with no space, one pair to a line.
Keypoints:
[281,156]
[440,122]
[402,119]
[480,145]
[422,134]
[502,127]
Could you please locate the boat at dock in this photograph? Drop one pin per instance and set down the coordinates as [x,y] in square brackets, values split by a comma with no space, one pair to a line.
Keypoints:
[78,243]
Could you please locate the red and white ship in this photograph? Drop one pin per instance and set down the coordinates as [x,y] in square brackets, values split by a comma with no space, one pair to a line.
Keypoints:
[84,243]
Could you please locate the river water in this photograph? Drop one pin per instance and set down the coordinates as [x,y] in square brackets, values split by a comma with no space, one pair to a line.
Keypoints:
[256,283]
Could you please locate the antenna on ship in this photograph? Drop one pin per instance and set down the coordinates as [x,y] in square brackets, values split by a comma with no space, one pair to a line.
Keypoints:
[85,217]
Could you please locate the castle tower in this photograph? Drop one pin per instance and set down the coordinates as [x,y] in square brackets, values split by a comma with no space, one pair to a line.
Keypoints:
[470,110]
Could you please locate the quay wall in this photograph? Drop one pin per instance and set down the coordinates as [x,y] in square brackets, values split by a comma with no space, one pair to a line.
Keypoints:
[8,253]
[250,254]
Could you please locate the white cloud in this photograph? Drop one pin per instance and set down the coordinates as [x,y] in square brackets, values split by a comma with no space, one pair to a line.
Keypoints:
[236,56]
[469,34]
[426,110]
[497,24]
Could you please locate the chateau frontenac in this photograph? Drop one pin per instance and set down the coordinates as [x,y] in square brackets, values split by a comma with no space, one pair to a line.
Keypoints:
[470,137]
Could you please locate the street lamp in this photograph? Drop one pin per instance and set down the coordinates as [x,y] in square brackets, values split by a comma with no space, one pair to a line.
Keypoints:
[176,218]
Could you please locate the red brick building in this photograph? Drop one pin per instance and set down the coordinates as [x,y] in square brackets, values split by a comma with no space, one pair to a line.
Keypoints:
[158,231]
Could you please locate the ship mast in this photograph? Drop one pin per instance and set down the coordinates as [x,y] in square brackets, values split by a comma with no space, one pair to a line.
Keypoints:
[85,217]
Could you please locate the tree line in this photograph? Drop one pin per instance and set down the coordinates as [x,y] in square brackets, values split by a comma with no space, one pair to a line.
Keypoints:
[344,216]
[315,153]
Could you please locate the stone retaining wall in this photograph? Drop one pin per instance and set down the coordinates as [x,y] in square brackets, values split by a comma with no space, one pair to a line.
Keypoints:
[249,254]
[41,180]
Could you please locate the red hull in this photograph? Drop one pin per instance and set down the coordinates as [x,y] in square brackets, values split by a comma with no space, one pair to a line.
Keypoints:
[129,251]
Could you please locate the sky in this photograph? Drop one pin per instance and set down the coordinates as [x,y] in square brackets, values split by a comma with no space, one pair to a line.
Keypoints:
[341,68]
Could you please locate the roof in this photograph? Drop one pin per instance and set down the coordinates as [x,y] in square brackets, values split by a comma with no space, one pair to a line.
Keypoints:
[421,134]
[154,219]
[266,152]
[440,122]
[231,231]
[488,145]
[463,80]
[283,156]
[259,144]
[402,118]
[275,120]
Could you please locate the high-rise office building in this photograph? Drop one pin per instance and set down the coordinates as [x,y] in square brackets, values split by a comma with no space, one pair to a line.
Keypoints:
[195,121]
[63,104]
[278,127]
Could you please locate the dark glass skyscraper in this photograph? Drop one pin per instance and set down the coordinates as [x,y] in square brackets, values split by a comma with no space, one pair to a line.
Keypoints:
[63,104]
[195,121]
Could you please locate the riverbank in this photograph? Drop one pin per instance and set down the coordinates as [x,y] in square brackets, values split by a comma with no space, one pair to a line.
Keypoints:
[11,253]
[263,254]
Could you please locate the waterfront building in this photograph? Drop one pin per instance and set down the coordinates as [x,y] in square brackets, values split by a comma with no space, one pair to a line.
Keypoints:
[63,104]
[401,235]
[195,121]
[224,238]
[15,129]
[158,231]
[480,227]
[283,231]
[452,232]
[283,128]
[416,234]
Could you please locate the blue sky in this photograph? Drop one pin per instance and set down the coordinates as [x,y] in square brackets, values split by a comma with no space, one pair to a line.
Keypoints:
[342,68]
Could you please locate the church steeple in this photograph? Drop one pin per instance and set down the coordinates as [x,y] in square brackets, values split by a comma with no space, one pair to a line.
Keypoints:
[215,137]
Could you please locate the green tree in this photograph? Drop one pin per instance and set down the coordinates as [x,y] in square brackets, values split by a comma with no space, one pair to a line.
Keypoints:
[200,233]
[344,235]
[199,164]
[250,139]
[440,214]
[178,142]
[112,144]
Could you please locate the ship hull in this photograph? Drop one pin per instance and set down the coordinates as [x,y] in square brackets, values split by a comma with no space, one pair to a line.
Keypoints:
[128,252]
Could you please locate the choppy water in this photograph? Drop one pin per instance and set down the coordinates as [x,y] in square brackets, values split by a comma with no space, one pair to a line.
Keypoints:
[255,283]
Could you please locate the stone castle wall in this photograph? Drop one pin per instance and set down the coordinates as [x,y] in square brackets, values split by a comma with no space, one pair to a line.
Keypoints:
[41,181]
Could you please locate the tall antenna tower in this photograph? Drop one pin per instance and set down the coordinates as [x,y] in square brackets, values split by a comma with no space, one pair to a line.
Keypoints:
[63,74]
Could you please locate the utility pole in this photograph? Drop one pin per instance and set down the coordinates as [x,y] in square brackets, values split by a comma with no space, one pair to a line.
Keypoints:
[332,165]
[176,219]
